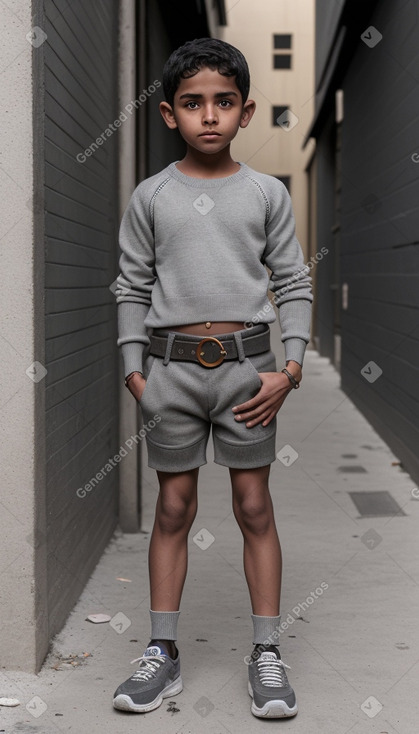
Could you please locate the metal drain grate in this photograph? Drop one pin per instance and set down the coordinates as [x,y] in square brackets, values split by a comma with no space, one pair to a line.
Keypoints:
[376,504]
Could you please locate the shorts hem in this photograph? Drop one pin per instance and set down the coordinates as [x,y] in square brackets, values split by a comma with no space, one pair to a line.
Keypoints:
[177,459]
[245,456]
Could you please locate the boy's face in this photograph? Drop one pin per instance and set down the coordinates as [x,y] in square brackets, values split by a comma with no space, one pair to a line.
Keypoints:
[208,111]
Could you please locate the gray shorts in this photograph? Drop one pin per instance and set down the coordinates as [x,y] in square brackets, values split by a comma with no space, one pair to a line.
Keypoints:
[188,399]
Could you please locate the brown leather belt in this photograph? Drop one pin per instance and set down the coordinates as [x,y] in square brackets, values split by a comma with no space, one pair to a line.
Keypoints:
[210,351]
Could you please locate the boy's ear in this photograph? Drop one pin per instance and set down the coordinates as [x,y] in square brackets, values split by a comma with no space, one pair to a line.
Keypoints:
[168,114]
[247,112]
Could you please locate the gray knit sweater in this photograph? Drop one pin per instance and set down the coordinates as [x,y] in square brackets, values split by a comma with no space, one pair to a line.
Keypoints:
[195,250]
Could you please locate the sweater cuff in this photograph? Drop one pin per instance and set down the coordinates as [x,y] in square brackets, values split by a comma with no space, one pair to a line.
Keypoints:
[295,349]
[132,353]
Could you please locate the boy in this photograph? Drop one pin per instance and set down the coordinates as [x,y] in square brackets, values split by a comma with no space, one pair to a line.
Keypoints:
[194,318]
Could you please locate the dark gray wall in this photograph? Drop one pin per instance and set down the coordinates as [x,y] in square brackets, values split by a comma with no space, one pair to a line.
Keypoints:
[163,145]
[169,25]
[81,222]
[327,18]
[323,326]
[380,225]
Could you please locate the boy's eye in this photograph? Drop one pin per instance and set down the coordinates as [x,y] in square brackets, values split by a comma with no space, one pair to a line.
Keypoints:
[192,105]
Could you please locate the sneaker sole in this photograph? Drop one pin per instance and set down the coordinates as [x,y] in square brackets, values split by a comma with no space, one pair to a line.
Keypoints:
[124,703]
[275,709]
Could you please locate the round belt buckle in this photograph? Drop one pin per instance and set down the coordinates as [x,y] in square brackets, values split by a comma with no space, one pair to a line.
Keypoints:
[200,352]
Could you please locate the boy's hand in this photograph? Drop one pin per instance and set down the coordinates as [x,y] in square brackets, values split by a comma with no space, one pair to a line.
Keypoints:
[265,405]
[136,385]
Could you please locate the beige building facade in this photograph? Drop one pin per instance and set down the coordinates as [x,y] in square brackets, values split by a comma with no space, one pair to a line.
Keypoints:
[278,42]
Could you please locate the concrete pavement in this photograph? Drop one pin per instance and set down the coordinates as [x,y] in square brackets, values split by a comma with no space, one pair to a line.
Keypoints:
[350,597]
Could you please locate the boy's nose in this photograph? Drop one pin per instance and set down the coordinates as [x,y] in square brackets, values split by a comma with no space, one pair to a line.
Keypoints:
[209,116]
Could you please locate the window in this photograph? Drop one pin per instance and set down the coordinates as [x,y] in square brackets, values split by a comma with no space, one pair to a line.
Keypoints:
[277,111]
[282,48]
[282,62]
[282,41]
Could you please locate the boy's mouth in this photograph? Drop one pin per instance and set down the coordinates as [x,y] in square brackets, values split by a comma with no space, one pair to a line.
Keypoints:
[208,133]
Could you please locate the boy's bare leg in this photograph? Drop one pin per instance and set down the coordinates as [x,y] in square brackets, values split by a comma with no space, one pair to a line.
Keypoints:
[158,677]
[168,552]
[252,506]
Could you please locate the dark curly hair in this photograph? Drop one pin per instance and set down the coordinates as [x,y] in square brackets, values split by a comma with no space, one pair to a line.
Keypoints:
[187,60]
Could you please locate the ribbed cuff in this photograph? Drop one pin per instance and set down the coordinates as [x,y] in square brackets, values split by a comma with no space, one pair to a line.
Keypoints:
[265,629]
[132,334]
[295,349]
[164,625]
[295,320]
[132,353]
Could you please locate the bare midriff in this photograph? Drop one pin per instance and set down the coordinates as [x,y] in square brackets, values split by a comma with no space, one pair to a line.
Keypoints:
[209,327]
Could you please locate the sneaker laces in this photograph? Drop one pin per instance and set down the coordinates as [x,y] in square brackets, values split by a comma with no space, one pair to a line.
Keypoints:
[149,665]
[271,670]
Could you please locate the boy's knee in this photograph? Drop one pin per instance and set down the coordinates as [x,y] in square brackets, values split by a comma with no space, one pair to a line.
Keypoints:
[175,514]
[255,513]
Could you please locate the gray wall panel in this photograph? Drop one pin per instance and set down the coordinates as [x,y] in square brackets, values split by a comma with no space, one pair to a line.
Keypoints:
[325,276]
[165,145]
[81,224]
[380,224]
[327,18]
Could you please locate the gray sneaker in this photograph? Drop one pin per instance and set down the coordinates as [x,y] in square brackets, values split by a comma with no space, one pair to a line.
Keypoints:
[157,677]
[273,697]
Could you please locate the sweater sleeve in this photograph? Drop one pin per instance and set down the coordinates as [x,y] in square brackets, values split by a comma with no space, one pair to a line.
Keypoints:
[290,282]
[135,280]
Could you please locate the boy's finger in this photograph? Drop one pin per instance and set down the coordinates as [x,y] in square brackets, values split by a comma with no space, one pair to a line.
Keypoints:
[245,407]
[258,420]
[259,401]
[255,412]
[249,404]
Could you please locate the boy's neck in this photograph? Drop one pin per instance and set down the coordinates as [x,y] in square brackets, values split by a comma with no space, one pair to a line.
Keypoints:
[202,165]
